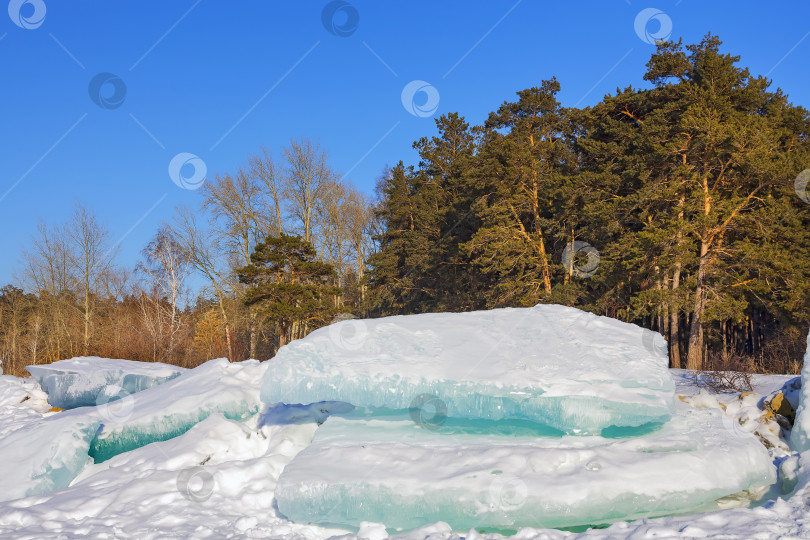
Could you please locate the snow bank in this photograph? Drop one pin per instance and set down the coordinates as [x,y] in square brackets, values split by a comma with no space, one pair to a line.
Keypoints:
[22,403]
[88,380]
[214,481]
[393,471]
[172,408]
[561,366]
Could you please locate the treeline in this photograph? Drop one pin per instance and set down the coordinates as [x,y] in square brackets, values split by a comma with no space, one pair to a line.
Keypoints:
[73,299]
[672,207]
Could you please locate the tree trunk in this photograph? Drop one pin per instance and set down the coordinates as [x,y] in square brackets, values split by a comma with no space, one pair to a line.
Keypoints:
[254,335]
[227,330]
[694,358]
[674,324]
[696,342]
[675,314]
[87,323]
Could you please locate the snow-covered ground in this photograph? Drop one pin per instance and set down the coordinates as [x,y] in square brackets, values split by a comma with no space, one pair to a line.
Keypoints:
[218,479]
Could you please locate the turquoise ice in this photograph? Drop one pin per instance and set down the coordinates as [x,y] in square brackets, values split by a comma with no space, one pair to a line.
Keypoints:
[391,470]
[800,434]
[551,364]
[172,408]
[45,455]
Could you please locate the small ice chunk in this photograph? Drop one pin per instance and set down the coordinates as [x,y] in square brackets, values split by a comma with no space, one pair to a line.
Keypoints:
[571,370]
[81,381]
[44,456]
[394,471]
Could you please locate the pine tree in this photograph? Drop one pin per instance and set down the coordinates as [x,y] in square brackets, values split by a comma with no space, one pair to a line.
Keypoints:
[520,172]
[450,282]
[685,189]
[288,287]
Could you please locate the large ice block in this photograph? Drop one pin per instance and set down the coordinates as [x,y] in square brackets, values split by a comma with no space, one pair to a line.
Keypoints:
[172,408]
[44,456]
[561,366]
[394,471]
[86,380]
[800,434]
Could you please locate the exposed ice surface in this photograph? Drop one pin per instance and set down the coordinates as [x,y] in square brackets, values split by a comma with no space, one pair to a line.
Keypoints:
[800,434]
[282,414]
[392,470]
[88,380]
[170,409]
[44,456]
[552,364]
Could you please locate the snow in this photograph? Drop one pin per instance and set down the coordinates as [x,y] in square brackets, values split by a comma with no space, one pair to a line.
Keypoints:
[572,370]
[90,380]
[214,481]
[22,402]
[392,470]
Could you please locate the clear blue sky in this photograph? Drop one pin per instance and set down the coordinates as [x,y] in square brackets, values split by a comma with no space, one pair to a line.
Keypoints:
[218,79]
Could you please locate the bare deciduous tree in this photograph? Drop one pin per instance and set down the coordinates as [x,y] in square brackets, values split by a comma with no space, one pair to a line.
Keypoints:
[360,215]
[91,259]
[202,252]
[264,169]
[238,209]
[166,267]
[307,173]
[46,265]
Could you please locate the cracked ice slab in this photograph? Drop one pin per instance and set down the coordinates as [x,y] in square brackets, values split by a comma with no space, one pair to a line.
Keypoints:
[44,456]
[172,408]
[86,380]
[556,365]
[394,471]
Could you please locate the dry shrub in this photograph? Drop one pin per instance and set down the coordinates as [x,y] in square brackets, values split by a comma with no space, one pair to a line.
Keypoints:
[724,381]
[726,373]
